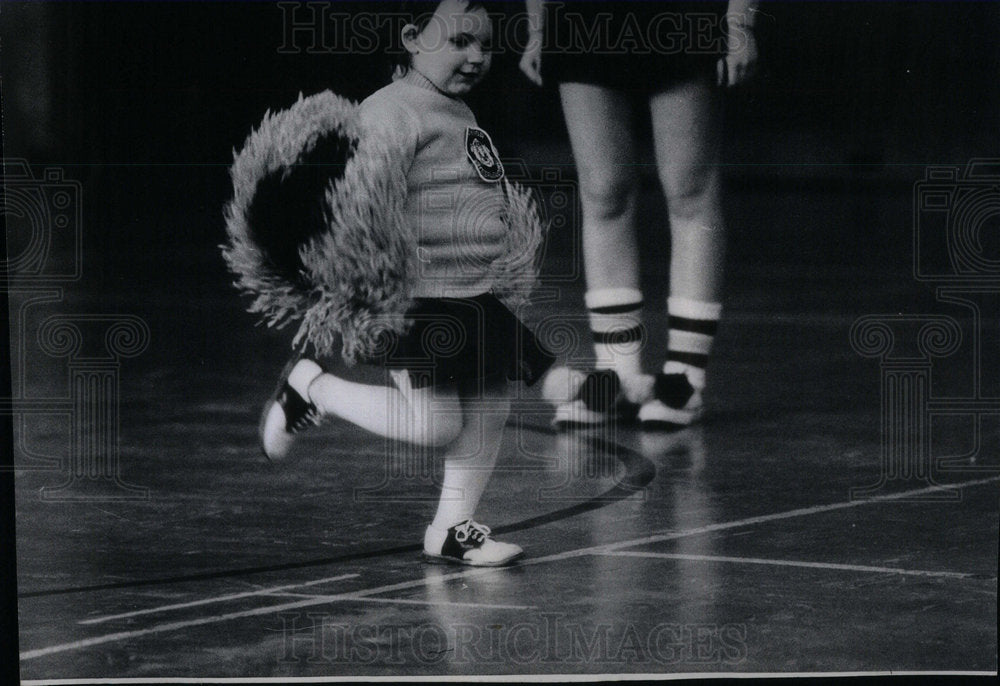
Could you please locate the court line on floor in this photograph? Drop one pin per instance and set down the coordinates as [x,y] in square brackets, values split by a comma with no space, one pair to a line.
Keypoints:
[789,563]
[469,573]
[410,601]
[668,534]
[217,599]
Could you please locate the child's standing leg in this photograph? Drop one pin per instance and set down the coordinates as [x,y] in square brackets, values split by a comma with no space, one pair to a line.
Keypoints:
[454,536]
[686,135]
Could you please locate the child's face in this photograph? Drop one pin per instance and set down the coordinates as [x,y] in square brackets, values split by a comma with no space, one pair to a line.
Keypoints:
[453,50]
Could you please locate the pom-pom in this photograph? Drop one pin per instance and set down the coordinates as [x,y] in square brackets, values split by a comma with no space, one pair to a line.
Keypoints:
[315,227]
[517,269]
[562,384]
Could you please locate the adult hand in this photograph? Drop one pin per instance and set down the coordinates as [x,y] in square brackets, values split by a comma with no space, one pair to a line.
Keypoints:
[531,60]
[740,61]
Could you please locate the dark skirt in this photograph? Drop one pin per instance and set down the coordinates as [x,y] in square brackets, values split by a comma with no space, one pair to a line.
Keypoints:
[466,339]
[642,47]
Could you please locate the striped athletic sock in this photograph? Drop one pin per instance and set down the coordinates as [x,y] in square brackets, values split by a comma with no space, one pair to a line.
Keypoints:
[616,325]
[692,329]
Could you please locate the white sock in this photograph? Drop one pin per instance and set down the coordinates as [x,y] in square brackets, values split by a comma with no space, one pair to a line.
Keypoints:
[460,494]
[304,373]
[693,326]
[469,463]
[618,332]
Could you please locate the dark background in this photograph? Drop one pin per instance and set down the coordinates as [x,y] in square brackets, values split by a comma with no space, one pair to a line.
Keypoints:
[101,85]
[144,103]
[179,82]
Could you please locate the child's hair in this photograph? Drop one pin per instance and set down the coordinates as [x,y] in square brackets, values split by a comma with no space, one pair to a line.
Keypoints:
[418,13]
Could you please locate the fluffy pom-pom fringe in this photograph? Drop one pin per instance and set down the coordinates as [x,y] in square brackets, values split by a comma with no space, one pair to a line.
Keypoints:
[354,273]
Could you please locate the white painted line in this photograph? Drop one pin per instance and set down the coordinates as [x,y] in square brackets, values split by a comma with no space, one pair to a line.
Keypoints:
[787,563]
[482,571]
[169,626]
[406,601]
[218,599]
[668,534]
[490,678]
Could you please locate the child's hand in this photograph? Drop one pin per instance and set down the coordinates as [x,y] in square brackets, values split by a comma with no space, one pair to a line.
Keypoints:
[740,61]
[531,61]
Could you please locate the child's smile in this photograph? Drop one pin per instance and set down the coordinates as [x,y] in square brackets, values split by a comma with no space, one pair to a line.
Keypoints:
[453,50]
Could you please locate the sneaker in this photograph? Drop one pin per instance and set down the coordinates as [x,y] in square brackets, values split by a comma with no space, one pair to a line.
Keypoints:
[676,403]
[289,410]
[602,396]
[468,543]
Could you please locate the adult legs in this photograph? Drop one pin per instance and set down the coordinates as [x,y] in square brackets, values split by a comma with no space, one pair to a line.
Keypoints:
[686,133]
[601,133]
[600,124]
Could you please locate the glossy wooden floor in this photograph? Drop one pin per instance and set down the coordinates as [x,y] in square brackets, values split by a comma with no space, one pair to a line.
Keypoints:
[735,546]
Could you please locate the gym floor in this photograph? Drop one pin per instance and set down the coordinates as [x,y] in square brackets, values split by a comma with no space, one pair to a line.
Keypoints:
[805,526]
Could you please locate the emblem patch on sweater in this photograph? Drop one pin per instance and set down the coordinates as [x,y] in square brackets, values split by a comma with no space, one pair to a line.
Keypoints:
[483,155]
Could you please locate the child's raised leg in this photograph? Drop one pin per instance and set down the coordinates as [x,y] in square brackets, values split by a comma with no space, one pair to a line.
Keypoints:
[306,393]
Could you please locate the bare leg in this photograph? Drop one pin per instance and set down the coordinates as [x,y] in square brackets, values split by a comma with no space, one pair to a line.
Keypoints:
[686,136]
[600,130]
[424,416]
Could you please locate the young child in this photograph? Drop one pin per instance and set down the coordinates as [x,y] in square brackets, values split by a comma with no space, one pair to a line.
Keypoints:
[392,226]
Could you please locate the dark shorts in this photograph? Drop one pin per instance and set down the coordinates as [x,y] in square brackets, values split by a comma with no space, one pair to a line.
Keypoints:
[466,339]
[642,47]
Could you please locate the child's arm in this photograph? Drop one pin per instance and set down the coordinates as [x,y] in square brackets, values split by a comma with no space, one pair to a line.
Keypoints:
[741,53]
[531,61]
